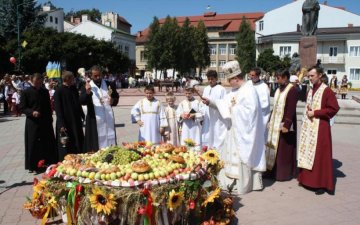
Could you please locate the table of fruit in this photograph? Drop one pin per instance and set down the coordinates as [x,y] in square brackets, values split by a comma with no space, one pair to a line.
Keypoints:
[138,183]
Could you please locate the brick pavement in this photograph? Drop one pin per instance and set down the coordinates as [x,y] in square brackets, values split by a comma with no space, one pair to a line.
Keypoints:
[278,203]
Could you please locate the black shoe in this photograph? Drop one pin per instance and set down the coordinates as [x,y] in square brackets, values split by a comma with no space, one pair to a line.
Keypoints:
[319,191]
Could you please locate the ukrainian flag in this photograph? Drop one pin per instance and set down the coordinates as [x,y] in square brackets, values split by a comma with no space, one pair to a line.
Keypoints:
[53,70]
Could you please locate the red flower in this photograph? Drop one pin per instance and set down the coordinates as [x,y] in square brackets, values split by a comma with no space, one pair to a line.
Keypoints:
[141,211]
[204,148]
[36,181]
[52,172]
[191,204]
[79,188]
[41,164]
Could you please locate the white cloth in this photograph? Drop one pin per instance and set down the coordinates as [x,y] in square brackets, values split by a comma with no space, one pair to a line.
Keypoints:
[105,121]
[172,130]
[152,114]
[16,98]
[243,146]
[264,96]
[191,128]
[213,128]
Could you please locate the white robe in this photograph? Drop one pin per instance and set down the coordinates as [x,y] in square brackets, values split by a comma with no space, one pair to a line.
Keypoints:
[172,130]
[105,121]
[191,128]
[243,147]
[152,114]
[213,126]
[263,92]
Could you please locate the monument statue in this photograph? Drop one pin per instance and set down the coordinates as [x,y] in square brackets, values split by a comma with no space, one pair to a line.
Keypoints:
[310,17]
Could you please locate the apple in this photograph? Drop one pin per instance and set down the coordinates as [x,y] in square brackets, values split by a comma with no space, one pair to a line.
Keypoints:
[113,176]
[134,176]
[127,176]
[118,174]
[92,175]
[78,174]
[151,176]
[129,171]
[161,173]
[156,174]
[141,177]
[146,176]
[103,176]
[107,176]
[97,176]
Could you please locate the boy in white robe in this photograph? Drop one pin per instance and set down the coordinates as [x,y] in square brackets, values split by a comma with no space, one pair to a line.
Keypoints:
[171,132]
[213,126]
[243,147]
[149,114]
[190,114]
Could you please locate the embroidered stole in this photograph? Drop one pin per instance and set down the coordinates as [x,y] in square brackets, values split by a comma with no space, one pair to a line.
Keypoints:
[309,130]
[275,125]
[143,111]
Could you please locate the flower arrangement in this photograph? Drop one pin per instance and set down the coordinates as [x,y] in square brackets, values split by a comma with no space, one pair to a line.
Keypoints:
[189,142]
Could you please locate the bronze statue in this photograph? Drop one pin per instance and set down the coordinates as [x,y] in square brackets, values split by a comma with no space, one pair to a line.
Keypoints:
[310,11]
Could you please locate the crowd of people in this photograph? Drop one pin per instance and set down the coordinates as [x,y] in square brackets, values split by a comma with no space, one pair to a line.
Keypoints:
[254,140]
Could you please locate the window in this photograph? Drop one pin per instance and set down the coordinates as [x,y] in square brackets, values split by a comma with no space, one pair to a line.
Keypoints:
[143,56]
[354,51]
[285,50]
[333,52]
[213,49]
[222,49]
[51,19]
[331,72]
[261,25]
[232,49]
[355,74]
[127,50]
[222,62]
[56,20]
[221,75]
[213,64]
[120,47]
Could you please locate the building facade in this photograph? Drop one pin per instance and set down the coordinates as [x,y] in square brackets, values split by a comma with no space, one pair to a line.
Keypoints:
[221,29]
[337,48]
[123,40]
[54,17]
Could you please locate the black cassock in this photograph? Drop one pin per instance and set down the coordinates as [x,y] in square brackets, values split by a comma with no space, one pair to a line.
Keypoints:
[91,136]
[39,132]
[69,114]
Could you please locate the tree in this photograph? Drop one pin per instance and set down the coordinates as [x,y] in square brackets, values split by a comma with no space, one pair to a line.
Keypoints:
[45,44]
[201,50]
[185,60]
[94,14]
[153,46]
[268,61]
[28,12]
[246,47]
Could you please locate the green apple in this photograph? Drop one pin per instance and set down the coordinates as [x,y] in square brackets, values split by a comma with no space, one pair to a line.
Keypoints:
[151,176]
[113,176]
[162,173]
[146,176]
[118,174]
[156,174]
[107,176]
[103,176]
[78,174]
[134,176]
[97,176]
[141,177]
[129,171]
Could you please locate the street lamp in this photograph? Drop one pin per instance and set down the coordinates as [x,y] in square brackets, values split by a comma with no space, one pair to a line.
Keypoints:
[18,32]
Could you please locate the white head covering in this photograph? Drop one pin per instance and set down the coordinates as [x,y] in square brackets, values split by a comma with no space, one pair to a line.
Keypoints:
[231,69]
[293,78]
[81,71]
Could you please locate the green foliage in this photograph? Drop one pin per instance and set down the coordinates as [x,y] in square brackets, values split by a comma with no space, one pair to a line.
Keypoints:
[186,45]
[270,62]
[246,46]
[28,16]
[153,46]
[45,44]
[201,50]
[94,14]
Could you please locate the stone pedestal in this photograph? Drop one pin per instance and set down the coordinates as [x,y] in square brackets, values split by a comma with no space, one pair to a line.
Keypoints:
[308,51]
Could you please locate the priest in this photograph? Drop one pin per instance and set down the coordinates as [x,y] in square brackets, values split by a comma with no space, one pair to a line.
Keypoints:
[243,147]
[213,127]
[39,133]
[315,147]
[99,96]
[281,139]
[69,117]
[263,91]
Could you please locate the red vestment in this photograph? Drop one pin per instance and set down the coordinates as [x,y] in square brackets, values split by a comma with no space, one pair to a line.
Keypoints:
[322,174]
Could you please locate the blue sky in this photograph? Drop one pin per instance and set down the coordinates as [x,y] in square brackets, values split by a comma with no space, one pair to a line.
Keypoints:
[140,12]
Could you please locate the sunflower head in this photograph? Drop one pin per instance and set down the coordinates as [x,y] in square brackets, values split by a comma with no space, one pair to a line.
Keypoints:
[101,201]
[211,156]
[175,199]
[211,197]
[189,142]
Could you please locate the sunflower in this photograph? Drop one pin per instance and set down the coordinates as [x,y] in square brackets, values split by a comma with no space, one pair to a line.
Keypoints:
[175,199]
[212,196]
[101,201]
[211,156]
[40,186]
[189,142]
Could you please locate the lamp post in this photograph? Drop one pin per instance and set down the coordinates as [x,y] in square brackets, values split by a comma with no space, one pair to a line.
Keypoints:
[18,33]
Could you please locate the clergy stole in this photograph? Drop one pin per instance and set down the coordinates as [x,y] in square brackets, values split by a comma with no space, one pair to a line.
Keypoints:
[172,130]
[275,125]
[104,114]
[309,130]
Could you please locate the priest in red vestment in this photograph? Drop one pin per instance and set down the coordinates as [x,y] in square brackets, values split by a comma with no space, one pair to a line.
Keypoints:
[281,139]
[315,146]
